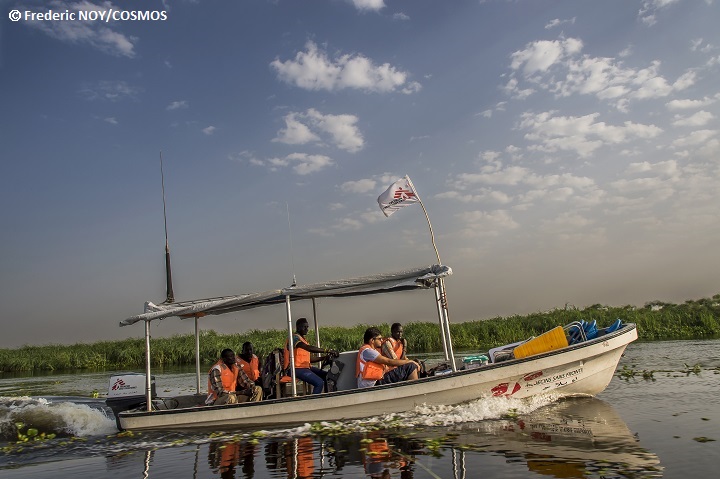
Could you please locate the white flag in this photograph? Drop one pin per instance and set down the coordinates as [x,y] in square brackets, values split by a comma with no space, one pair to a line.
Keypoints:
[401,193]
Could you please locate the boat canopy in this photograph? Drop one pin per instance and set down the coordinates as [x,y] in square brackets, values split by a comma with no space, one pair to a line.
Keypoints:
[417,278]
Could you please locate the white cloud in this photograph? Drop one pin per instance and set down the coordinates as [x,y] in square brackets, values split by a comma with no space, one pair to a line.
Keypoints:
[303,163]
[418,138]
[695,138]
[348,224]
[111,120]
[560,67]
[675,105]
[109,91]
[667,168]
[648,10]
[701,118]
[484,195]
[557,22]
[583,135]
[209,130]
[512,89]
[303,128]
[314,70]
[177,105]
[345,135]
[295,132]
[97,34]
[400,16]
[569,220]
[539,56]
[639,185]
[369,5]
[482,223]
[359,186]
[508,176]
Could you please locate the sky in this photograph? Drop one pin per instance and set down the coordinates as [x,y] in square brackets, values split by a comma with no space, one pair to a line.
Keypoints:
[567,153]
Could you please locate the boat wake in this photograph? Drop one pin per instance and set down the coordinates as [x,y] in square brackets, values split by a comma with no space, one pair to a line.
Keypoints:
[62,416]
[427,416]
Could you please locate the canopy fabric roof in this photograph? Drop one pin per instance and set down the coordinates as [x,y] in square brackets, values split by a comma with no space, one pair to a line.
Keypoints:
[416,278]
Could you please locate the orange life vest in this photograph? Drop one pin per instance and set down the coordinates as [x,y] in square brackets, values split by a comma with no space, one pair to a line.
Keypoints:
[228,375]
[396,346]
[302,357]
[369,370]
[250,368]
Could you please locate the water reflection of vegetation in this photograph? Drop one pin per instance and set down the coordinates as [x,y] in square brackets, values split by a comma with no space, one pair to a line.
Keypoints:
[698,319]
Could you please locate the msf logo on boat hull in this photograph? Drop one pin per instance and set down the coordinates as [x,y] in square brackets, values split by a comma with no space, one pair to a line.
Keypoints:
[119,384]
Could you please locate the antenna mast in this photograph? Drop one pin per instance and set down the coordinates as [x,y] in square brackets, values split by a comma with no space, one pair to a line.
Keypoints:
[292,258]
[168,273]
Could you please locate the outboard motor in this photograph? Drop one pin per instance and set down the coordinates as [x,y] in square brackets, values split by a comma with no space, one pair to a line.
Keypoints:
[127,391]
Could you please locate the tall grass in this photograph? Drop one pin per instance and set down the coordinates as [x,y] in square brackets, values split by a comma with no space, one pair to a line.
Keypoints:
[656,321]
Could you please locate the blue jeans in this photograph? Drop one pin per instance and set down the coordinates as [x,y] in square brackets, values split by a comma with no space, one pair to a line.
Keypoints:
[314,376]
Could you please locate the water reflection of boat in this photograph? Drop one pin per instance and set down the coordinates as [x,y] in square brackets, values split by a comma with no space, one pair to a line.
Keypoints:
[546,365]
[224,458]
[563,439]
[376,454]
[576,438]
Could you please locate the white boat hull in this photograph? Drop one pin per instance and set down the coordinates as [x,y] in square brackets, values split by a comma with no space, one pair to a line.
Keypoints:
[584,369]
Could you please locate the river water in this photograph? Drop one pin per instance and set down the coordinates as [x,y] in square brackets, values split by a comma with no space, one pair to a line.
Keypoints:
[659,417]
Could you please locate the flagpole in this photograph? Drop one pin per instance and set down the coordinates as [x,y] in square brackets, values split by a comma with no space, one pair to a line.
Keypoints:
[432,235]
[440,293]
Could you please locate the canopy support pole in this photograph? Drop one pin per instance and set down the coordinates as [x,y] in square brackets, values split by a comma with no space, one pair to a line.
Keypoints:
[291,346]
[148,386]
[438,303]
[443,302]
[197,353]
[317,328]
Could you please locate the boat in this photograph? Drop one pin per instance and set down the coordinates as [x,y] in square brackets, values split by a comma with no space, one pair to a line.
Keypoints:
[581,364]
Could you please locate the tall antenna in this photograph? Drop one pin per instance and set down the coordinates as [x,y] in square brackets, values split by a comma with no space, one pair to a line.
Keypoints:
[168,273]
[292,259]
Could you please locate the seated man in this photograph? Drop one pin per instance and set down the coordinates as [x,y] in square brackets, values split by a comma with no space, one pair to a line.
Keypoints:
[395,347]
[372,367]
[302,350]
[248,362]
[247,387]
[223,380]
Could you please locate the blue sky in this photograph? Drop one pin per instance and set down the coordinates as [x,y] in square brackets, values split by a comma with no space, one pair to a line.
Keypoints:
[566,151]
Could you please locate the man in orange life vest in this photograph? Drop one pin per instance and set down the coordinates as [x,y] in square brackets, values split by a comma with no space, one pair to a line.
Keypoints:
[225,377]
[248,362]
[395,347]
[303,370]
[373,368]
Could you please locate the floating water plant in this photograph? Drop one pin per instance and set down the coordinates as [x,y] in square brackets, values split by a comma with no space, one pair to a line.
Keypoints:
[703,439]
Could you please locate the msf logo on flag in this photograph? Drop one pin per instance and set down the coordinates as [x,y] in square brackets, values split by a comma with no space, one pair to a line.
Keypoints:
[401,193]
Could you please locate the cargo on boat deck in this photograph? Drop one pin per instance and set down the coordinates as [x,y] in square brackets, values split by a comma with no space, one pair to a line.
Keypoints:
[549,341]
